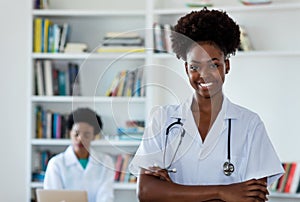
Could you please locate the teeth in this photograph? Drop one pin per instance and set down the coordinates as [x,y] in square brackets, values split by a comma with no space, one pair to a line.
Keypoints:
[206,84]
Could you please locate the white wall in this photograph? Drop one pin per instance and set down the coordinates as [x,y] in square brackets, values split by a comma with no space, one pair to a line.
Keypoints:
[14,19]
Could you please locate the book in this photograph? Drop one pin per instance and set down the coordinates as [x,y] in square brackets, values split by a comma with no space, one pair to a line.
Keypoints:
[122,81]
[75,48]
[255,2]
[48,77]
[282,182]
[47,24]
[158,35]
[245,44]
[296,179]
[57,35]
[63,37]
[290,177]
[121,49]
[39,78]
[199,3]
[123,41]
[37,38]
[122,35]
[118,167]
[167,28]
[125,164]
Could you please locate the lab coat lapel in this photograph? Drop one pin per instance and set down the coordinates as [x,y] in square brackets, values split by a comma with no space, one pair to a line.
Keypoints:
[70,157]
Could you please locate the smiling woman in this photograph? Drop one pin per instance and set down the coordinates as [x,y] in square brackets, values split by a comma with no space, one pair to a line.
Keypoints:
[216,130]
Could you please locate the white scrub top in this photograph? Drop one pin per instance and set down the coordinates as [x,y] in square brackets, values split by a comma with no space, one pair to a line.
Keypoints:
[201,163]
[64,171]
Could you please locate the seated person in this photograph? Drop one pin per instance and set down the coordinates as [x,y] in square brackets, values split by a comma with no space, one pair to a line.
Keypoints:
[77,168]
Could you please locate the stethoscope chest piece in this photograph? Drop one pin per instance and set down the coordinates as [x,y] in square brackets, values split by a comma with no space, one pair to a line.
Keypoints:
[228,168]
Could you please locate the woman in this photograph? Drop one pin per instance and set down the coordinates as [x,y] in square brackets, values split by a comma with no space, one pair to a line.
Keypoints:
[78,169]
[207,148]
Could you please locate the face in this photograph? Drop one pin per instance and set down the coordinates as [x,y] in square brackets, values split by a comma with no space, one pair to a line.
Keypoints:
[81,135]
[206,68]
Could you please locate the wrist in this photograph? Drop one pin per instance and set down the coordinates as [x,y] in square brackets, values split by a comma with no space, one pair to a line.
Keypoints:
[220,191]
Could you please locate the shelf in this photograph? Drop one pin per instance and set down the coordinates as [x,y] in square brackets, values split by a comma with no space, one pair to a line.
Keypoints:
[66,142]
[242,54]
[117,185]
[69,99]
[125,186]
[284,195]
[86,56]
[238,8]
[86,13]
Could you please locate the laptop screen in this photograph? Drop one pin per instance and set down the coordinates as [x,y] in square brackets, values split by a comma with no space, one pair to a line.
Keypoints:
[50,195]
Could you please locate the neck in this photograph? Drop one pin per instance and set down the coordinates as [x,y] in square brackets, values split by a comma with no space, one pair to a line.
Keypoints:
[207,105]
[82,154]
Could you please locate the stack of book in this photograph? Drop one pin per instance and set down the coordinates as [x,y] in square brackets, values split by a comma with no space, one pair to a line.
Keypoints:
[290,181]
[50,125]
[246,44]
[49,37]
[127,83]
[122,42]
[134,130]
[162,38]
[53,80]
[122,173]
[40,165]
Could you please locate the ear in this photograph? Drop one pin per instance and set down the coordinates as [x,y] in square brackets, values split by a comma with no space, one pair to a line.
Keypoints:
[227,66]
[186,67]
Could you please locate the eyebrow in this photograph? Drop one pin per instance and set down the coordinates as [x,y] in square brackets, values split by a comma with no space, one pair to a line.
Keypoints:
[211,60]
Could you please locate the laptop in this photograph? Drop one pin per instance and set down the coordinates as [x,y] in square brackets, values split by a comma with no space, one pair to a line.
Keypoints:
[52,195]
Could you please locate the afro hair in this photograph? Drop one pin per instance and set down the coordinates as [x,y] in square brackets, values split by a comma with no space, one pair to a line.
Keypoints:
[205,26]
[85,115]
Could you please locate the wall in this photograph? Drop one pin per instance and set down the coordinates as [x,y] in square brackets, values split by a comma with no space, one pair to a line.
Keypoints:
[14,19]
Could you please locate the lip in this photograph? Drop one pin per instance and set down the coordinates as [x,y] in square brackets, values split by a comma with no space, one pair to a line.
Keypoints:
[80,145]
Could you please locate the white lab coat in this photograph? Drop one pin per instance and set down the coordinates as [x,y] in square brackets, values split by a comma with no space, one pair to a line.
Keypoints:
[65,172]
[199,163]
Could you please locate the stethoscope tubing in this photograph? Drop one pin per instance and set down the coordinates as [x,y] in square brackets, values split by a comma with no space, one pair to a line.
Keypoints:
[228,167]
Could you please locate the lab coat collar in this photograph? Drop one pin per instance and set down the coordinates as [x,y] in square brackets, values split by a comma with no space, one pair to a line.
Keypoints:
[232,111]
[70,157]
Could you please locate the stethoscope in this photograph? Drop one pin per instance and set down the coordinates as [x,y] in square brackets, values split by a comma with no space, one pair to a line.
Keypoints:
[228,167]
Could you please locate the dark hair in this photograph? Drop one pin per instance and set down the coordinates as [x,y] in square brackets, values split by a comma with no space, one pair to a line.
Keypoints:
[211,26]
[85,115]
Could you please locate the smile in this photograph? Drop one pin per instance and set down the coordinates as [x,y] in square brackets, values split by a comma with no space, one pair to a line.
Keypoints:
[206,85]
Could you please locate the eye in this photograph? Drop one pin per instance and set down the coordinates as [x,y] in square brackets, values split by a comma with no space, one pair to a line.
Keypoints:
[213,66]
[194,68]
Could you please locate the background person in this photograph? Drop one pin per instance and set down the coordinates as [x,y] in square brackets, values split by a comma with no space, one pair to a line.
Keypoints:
[79,169]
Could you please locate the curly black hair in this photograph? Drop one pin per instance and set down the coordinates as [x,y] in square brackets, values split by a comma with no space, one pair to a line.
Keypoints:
[212,26]
[85,115]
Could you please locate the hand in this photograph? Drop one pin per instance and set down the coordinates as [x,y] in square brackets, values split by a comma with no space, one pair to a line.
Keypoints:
[249,191]
[158,172]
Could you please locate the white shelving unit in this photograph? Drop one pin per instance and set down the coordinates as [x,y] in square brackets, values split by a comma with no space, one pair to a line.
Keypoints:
[89,21]
[88,24]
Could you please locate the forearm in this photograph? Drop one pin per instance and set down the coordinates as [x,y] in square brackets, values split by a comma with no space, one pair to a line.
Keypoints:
[153,189]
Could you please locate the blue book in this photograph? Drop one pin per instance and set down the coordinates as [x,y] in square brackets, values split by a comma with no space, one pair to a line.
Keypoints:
[61,82]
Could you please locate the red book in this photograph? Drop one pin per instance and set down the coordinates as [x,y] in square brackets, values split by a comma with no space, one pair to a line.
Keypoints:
[290,177]
[118,167]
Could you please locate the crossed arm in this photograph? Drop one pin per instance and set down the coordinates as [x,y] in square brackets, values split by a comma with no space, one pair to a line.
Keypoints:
[156,185]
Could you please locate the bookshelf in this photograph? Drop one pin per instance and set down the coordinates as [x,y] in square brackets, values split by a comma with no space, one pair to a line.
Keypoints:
[89,21]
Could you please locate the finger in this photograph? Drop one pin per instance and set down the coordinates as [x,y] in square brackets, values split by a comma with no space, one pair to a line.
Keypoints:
[257,194]
[164,174]
[258,188]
